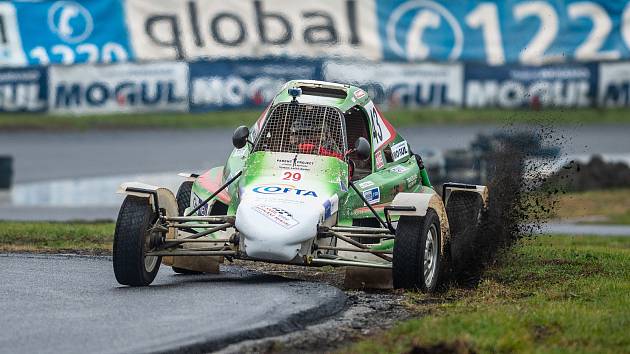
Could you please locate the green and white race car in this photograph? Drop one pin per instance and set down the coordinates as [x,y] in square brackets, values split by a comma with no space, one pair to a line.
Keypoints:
[322,178]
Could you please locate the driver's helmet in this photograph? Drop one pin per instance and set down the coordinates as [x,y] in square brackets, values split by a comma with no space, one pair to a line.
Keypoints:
[305,131]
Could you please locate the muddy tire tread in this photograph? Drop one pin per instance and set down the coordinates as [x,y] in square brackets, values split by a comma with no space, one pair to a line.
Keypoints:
[133,219]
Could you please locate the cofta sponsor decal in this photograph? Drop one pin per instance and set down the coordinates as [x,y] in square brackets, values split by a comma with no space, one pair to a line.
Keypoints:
[284,189]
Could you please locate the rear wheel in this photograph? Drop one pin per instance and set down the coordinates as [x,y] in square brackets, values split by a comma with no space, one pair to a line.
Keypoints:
[183,196]
[417,258]
[183,202]
[132,240]
[465,212]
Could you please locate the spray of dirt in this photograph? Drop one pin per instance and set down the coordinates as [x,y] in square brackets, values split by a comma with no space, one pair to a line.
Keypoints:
[519,202]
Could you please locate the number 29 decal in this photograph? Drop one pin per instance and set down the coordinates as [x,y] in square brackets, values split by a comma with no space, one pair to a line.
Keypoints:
[291,176]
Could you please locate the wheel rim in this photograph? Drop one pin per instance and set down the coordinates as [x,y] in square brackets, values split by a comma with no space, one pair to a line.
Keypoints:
[430,256]
[149,261]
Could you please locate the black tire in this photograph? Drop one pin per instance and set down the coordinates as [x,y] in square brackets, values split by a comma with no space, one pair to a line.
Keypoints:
[185,271]
[465,212]
[130,246]
[183,202]
[409,253]
[183,196]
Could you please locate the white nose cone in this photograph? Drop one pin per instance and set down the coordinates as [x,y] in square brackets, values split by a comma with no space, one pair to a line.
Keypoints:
[275,231]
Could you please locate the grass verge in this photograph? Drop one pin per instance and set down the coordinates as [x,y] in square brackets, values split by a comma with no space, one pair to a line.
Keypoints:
[610,206]
[77,237]
[235,118]
[555,294]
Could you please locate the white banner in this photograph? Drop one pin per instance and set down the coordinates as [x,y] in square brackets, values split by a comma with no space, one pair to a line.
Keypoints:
[11,51]
[614,85]
[167,29]
[149,87]
[402,84]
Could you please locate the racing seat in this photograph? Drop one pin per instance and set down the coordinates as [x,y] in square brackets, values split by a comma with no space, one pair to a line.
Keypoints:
[356,127]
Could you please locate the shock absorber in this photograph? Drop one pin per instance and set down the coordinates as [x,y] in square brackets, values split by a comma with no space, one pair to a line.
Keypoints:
[424,176]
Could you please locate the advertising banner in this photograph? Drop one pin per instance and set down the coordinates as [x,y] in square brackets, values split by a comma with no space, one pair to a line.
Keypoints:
[11,51]
[513,86]
[225,84]
[400,84]
[125,87]
[498,32]
[614,85]
[23,90]
[212,29]
[63,32]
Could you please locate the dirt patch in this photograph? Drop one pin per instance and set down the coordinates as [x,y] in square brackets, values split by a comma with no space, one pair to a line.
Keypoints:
[541,332]
[367,314]
[456,347]
[34,250]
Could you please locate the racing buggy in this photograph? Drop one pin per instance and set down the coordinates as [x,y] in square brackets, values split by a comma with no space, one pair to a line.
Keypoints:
[321,179]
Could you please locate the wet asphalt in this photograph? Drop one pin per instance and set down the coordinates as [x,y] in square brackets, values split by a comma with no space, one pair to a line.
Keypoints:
[73,304]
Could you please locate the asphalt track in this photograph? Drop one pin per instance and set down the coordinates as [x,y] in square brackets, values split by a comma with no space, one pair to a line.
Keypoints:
[73,304]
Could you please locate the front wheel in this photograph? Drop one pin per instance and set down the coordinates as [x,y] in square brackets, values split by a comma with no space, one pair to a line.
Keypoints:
[132,240]
[417,259]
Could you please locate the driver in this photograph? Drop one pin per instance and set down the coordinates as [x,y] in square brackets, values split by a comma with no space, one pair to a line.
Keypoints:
[307,136]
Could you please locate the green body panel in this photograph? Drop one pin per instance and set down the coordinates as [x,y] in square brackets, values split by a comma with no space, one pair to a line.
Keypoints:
[327,175]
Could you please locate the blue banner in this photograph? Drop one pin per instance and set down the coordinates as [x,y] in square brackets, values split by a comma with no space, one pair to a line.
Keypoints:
[499,32]
[226,84]
[69,32]
[23,90]
[512,86]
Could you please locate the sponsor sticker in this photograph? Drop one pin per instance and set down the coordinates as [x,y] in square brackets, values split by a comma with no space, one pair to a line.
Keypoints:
[284,189]
[400,150]
[378,160]
[196,200]
[399,169]
[366,184]
[295,163]
[411,180]
[358,94]
[277,215]
[331,206]
[373,195]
